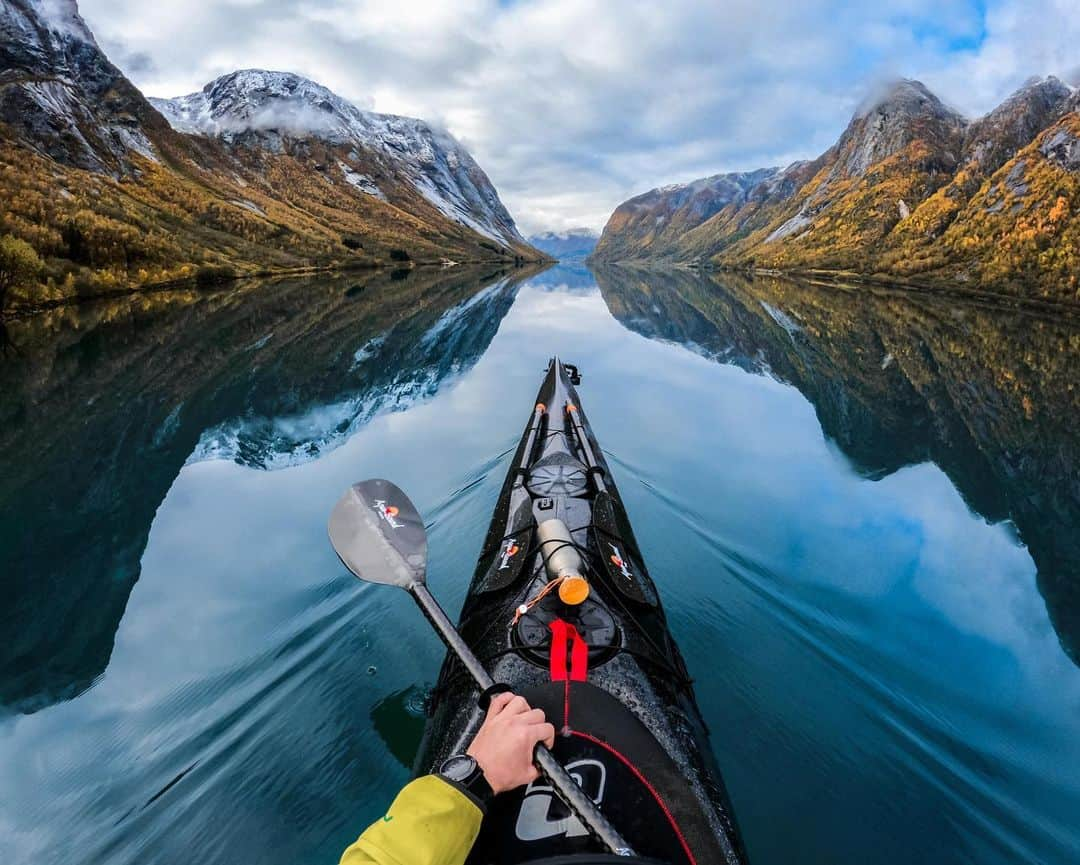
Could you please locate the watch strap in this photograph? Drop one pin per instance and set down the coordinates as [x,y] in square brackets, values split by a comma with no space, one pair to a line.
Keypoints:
[478,783]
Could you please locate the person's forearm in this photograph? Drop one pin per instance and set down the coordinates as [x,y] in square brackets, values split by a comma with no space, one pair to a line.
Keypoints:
[431,822]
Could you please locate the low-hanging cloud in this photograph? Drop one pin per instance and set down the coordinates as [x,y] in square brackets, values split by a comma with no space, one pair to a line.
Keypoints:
[571,106]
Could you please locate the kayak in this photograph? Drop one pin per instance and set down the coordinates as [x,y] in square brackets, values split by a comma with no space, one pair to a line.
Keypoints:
[562,610]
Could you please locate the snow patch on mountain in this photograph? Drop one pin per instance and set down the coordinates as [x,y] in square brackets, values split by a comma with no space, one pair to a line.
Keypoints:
[568,234]
[360,181]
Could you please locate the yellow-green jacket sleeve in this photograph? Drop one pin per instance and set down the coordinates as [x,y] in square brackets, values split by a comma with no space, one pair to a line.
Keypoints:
[430,823]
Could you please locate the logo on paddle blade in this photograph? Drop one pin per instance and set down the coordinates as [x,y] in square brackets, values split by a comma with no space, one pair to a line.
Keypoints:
[543,815]
[387,513]
[617,561]
[511,550]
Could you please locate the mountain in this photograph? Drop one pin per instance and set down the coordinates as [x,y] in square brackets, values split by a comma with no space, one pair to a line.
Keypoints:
[264,172]
[571,245]
[910,191]
[380,154]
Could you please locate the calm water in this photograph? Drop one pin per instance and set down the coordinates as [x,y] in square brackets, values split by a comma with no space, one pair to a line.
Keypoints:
[862,509]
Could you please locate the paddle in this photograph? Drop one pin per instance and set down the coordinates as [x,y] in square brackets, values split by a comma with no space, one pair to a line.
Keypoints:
[379,536]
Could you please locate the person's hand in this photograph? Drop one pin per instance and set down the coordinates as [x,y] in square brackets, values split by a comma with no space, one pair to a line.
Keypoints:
[504,746]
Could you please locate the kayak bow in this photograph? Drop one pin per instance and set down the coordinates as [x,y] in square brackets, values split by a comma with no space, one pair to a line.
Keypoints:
[562,610]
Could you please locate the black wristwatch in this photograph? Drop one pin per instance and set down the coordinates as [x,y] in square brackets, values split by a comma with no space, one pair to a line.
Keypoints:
[465,773]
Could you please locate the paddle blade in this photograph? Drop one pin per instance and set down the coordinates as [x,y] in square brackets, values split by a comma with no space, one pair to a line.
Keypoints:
[379,536]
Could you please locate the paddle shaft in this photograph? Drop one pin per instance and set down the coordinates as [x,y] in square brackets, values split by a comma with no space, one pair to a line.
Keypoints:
[580,805]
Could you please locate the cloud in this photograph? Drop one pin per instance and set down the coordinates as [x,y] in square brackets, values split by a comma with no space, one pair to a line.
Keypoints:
[572,106]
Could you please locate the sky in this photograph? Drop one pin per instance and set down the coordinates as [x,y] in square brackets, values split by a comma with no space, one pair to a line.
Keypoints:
[573,106]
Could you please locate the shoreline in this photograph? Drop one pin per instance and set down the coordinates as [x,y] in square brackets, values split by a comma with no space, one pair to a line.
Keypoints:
[22,311]
[847,279]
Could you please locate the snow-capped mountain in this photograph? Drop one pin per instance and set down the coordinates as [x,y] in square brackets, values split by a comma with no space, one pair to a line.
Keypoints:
[574,243]
[259,108]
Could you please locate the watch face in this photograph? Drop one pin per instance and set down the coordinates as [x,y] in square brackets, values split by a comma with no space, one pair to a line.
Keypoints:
[458,768]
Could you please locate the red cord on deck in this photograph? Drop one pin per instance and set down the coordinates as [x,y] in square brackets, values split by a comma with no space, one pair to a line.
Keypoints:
[645,781]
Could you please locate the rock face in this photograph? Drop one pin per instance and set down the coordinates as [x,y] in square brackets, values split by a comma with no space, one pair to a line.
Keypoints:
[991,141]
[262,172]
[276,111]
[573,245]
[890,122]
[911,190]
[59,91]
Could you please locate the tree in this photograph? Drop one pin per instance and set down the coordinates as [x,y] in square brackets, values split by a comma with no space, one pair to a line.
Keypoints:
[19,263]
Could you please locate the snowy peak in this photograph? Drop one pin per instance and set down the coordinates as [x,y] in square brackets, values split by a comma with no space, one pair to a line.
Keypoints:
[259,108]
[253,100]
[709,192]
[568,234]
[901,96]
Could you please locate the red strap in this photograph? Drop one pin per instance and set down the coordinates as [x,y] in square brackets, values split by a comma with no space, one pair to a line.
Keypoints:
[579,657]
[561,633]
[558,650]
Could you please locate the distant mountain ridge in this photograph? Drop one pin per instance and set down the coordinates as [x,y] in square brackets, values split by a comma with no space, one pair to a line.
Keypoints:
[648,224]
[260,172]
[911,190]
[575,244]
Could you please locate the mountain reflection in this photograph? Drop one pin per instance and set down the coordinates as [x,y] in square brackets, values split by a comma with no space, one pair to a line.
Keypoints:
[102,405]
[987,393]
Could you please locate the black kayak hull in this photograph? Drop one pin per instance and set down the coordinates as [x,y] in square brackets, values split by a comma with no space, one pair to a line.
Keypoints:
[630,730]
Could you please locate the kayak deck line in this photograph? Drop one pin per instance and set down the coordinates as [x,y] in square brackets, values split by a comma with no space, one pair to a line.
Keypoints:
[635,741]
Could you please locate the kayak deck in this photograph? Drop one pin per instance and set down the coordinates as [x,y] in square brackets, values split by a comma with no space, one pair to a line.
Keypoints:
[606,671]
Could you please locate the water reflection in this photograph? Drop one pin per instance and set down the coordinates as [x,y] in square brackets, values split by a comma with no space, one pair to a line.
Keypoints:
[987,393]
[101,405]
[826,512]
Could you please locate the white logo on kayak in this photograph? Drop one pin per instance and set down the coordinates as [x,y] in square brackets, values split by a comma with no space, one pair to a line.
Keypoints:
[617,561]
[511,550]
[387,513]
[542,815]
